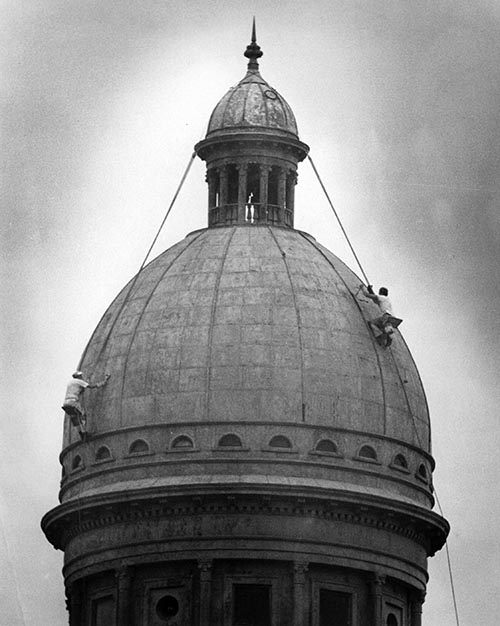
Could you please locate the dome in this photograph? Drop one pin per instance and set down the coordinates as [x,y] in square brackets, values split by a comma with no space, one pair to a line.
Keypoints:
[256,331]
[252,105]
[254,445]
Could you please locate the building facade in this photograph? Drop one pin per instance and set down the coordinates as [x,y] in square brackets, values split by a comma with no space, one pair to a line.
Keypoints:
[256,458]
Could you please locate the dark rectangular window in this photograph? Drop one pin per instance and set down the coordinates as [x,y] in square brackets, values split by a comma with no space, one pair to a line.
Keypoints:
[251,605]
[334,608]
[103,611]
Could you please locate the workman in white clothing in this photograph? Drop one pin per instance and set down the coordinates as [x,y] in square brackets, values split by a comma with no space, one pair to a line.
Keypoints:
[72,405]
[382,322]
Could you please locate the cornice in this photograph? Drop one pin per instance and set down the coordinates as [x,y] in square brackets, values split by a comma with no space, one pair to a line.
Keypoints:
[71,519]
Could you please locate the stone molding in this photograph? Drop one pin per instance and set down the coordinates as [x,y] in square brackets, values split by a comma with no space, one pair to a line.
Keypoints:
[68,521]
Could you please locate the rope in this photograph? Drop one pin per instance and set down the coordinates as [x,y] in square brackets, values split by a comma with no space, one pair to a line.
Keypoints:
[184,176]
[446,547]
[338,219]
[447,550]
[132,285]
[448,559]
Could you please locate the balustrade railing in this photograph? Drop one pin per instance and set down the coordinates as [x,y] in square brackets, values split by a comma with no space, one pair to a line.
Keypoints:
[255,213]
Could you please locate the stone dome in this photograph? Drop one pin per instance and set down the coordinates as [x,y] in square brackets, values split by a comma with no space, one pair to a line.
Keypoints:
[254,332]
[252,105]
[254,444]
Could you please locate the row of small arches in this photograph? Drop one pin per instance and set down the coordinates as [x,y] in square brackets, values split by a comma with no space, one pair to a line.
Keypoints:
[231,440]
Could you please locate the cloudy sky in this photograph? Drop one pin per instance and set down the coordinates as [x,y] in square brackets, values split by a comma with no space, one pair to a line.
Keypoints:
[101,103]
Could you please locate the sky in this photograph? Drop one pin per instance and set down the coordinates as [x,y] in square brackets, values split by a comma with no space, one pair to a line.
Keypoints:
[101,103]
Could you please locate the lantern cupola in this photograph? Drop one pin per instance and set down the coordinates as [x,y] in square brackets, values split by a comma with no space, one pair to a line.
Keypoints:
[252,149]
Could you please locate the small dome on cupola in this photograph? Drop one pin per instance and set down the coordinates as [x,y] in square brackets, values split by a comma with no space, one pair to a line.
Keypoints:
[252,104]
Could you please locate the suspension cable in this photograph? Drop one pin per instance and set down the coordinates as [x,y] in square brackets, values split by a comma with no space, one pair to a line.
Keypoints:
[450,570]
[338,219]
[447,550]
[446,546]
[132,285]
[184,176]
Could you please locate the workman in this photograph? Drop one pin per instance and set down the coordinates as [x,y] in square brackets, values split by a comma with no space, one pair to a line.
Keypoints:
[382,299]
[72,405]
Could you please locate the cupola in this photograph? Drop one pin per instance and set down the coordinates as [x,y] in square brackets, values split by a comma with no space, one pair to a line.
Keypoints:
[252,149]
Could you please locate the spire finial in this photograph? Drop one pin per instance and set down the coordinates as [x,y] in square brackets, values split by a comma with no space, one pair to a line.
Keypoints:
[253,51]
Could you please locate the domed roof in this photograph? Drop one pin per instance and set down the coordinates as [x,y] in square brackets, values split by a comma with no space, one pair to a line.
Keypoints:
[252,105]
[251,324]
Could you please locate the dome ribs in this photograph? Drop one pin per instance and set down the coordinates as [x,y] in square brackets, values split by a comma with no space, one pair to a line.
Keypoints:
[101,355]
[253,322]
[128,359]
[373,343]
[212,323]
[418,423]
[299,325]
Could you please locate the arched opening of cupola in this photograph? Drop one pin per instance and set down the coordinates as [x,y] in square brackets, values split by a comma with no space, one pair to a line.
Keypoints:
[272,188]
[232,185]
[253,184]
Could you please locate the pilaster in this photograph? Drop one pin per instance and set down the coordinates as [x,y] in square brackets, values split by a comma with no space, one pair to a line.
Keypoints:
[299,579]
[123,584]
[205,568]
[416,605]
[377,608]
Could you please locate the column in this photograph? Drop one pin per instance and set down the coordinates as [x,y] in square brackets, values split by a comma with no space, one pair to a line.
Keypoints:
[223,186]
[299,580]
[123,583]
[416,608]
[377,587]
[282,195]
[212,180]
[242,192]
[264,185]
[205,568]
[291,181]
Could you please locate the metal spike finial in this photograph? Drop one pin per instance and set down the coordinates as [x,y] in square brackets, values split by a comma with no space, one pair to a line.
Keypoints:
[253,51]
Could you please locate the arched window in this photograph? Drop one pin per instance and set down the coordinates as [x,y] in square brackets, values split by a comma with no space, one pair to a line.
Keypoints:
[77,463]
[400,462]
[182,442]
[367,452]
[103,454]
[422,472]
[327,445]
[392,620]
[280,441]
[139,446]
[230,441]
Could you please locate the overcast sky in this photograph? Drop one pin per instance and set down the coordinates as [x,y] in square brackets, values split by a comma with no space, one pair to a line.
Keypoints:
[101,104]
